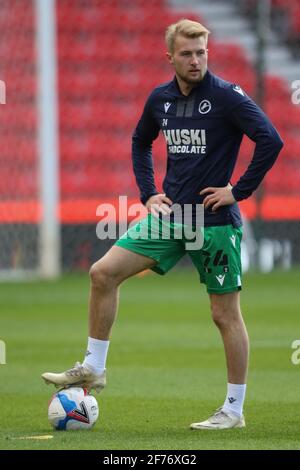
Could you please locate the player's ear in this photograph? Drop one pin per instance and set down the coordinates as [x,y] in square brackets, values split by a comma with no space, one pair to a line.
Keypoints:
[169,57]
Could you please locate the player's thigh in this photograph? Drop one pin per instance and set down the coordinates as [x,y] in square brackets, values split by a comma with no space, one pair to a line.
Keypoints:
[119,264]
[155,239]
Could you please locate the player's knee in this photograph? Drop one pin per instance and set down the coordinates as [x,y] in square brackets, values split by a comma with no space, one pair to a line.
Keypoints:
[225,316]
[220,315]
[100,276]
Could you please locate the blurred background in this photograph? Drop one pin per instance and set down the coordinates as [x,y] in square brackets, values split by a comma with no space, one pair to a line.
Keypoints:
[77,74]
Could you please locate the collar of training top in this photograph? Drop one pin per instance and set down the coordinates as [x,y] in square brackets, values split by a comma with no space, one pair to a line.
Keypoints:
[174,90]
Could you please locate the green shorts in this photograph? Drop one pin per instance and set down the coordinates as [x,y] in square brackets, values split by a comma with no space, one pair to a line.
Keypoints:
[218,260]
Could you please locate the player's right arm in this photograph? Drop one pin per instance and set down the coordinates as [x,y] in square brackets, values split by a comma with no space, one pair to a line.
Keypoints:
[145,133]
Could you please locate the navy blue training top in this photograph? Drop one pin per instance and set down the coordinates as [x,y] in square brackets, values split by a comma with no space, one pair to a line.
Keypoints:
[203,133]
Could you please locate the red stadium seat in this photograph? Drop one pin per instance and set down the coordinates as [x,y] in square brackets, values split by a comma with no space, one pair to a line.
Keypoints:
[95,148]
[18,46]
[291,149]
[19,150]
[101,115]
[18,182]
[284,114]
[15,18]
[16,118]
[274,183]
[92,181]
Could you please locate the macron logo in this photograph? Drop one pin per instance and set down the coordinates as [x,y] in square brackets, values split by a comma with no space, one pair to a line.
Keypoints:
[167,105]
[231,399]
[238,90]
[220,279]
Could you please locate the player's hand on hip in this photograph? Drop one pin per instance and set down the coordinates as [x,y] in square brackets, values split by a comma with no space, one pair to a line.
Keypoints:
[217,197]
[159,203]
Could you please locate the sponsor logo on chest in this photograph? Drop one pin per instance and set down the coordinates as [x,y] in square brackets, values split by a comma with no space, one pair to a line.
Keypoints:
[190,141]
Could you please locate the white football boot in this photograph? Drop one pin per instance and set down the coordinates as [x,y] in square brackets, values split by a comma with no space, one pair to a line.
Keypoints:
[79,376]
[221,420]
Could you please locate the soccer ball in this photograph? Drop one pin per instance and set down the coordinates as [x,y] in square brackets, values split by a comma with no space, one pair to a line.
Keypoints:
[73,408]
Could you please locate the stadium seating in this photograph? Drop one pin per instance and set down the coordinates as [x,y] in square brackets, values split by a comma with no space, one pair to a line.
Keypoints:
[286,19]
[110,56]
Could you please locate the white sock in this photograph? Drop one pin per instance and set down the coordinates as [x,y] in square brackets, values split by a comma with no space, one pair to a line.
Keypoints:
[235,397]
[95,357]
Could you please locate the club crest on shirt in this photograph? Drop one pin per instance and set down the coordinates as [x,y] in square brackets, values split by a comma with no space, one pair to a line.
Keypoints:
[204,107]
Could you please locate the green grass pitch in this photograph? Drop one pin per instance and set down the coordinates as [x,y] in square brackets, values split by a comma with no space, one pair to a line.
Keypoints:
[166,367]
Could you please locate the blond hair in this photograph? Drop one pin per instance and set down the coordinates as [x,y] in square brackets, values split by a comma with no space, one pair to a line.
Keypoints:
[186,28]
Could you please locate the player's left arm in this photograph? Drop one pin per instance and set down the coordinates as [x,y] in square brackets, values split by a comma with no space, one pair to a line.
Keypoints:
[247,117]
[253,122]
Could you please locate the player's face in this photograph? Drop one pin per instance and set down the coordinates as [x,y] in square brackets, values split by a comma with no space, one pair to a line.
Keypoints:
[189,59]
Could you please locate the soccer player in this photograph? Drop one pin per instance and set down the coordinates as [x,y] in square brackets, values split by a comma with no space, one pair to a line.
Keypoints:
[203,119]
